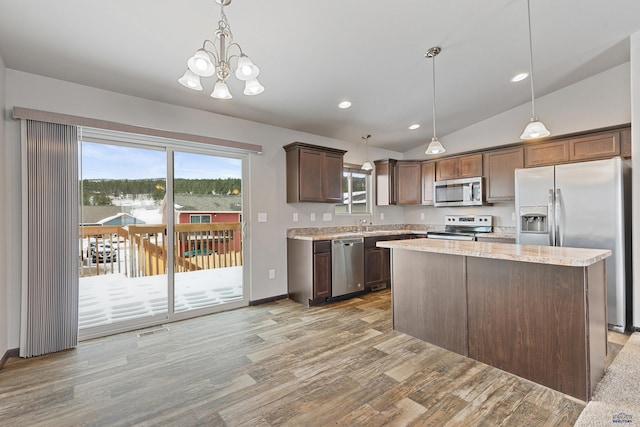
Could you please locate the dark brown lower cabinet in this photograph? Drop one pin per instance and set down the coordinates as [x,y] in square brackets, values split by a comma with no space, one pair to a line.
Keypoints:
[546,323]
[321,269]
[377,271]
[309,270]
[377,261]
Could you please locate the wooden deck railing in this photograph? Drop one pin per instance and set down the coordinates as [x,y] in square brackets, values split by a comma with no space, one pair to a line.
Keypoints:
[141,250]
[205,246]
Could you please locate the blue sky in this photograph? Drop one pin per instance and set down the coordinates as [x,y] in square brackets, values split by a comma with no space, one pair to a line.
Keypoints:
[103,161]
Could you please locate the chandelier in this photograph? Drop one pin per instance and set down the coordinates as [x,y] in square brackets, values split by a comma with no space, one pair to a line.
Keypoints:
[215,57]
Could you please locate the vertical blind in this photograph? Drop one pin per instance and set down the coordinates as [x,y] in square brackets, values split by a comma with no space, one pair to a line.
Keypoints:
[49,316]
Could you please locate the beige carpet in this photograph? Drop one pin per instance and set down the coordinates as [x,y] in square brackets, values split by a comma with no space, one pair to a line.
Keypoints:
[616,400]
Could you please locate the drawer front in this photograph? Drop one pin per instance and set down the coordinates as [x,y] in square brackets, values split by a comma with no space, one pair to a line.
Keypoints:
[321,246]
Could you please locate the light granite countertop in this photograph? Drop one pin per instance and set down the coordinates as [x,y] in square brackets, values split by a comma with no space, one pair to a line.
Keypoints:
[571,257]
[329,233]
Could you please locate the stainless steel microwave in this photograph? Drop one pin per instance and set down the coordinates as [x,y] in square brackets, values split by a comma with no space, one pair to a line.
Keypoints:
[459,192]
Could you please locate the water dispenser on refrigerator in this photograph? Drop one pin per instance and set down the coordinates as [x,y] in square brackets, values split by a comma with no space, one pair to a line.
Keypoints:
[534,219]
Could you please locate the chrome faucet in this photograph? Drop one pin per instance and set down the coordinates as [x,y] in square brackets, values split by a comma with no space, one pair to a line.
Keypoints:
[361,222]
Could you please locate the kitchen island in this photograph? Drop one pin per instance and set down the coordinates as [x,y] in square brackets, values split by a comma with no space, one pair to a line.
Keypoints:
[538,312]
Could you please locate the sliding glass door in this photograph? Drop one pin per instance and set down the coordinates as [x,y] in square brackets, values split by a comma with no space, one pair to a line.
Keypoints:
[160,234]
[207,215]
[122,271]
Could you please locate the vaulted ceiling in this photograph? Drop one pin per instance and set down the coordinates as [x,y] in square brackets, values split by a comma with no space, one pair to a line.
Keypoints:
[313,54]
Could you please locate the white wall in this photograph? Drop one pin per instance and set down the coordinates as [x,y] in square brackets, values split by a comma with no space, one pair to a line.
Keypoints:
[599,101]
[4,302]
[267,190]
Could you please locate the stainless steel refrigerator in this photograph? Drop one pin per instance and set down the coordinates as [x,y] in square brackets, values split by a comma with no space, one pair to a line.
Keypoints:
[582,205]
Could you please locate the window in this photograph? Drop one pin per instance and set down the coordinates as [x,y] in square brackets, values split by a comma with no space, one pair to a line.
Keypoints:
[355,190]
[199,219]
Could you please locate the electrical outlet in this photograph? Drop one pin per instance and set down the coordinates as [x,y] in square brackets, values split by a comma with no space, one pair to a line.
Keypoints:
[381,215]
[326,217]
[513,216]
[422,216]
[272,274]
[295,217]
[312,217]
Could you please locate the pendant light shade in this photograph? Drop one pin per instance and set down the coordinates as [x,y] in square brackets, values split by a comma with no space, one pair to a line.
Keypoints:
[435,146]
[535,128]
[367,165]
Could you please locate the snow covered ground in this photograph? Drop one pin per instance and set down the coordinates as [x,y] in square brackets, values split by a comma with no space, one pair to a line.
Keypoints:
[112,298]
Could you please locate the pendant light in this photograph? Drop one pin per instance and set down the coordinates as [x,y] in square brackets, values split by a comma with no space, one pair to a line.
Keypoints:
[535,128]
[435,146]
[367,166]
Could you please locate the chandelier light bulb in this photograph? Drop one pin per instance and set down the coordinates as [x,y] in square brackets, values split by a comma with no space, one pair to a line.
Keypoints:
[200,64]
[253,87]
[190,80]
[246,70]
[221,91]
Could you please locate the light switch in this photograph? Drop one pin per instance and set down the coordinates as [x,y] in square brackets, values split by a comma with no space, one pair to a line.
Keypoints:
[326,217]
[262,217]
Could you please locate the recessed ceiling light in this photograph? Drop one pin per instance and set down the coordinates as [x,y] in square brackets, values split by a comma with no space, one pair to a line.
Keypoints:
[519,77]
[414,126]
[344,104]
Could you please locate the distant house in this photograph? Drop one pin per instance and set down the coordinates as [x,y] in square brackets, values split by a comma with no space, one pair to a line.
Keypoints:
[121,219]
[92,215]
[205,208]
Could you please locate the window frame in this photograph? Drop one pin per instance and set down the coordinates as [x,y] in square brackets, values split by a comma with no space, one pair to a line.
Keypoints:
[191,216]
[351,169]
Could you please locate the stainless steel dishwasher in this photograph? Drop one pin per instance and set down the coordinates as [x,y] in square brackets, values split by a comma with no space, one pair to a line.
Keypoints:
[347,266]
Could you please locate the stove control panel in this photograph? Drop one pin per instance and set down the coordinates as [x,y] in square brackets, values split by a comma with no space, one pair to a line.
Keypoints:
[469,220]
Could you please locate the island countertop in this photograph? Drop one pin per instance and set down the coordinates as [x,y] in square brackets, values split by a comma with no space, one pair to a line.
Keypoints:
[572,257]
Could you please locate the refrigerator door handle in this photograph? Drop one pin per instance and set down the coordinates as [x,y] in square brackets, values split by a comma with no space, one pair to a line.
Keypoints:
[558,219]
[552,222]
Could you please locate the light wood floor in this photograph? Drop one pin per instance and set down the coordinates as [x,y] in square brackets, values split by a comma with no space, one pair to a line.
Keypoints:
[273,364]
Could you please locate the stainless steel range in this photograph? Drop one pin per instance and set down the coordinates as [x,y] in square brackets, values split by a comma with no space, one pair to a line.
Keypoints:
[463,227]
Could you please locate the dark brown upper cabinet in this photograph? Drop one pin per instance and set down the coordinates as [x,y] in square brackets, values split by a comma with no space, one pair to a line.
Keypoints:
[314,173]
[398,182]
[459,167]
